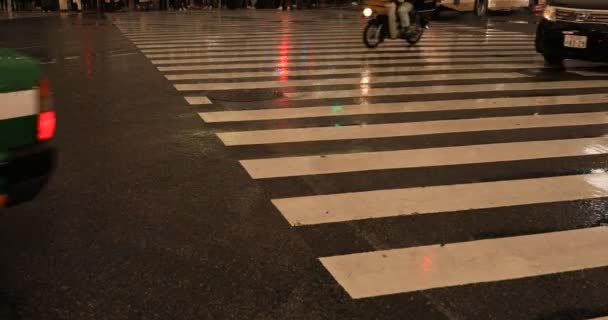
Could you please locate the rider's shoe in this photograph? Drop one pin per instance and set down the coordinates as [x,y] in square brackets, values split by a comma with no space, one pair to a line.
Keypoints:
[404,32]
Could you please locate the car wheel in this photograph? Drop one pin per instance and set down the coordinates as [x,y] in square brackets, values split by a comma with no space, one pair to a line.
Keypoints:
[481,8]
[552,60]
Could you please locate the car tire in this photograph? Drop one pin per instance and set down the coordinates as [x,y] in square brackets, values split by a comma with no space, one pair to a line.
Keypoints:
[553,60]
[481,8]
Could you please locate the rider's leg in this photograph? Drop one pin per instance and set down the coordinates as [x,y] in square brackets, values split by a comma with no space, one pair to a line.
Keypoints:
[404,15]
[392,19]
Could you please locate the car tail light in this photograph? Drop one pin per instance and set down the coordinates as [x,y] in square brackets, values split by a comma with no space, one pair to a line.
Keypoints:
[47,120]
[46,125]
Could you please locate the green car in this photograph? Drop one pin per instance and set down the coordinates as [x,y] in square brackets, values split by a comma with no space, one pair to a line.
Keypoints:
[27,126]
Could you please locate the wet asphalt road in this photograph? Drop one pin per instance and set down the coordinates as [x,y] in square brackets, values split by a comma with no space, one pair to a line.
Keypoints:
[151,216]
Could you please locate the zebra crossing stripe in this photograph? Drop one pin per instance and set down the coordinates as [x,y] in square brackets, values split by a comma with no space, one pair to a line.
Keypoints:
[525,50]
[369,92]
[351,80]
[344,71]
[314,40]
[250,44]
[201,100]
[418,158]
[337,44]
[311,31]
[333,208]
[371,63]
[270,30]
[400,107]
[313,36]
[188,52]
[345,56]
[378,273]
[294,48]
[409,129]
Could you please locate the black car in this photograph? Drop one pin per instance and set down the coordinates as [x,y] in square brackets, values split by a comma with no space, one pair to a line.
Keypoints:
[574,29]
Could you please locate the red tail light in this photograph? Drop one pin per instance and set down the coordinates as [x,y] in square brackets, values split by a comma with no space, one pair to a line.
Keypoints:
[46,125]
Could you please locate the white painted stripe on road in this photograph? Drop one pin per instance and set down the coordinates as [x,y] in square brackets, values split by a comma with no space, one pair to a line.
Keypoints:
[401,107]
[18,104]
[261,33]
[310,48]
[309,36]
[368,92]
[382,62]
[346,55]
[332,71]
[333,208]
[338,44]
[419,158]
[395,271]
[365,56]
[186,52]
[199,100]
[265,31]
[245,42]
[361,80]
[387,130]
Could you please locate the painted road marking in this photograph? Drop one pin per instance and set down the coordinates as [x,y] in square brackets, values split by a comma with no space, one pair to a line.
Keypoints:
[409,128]
[419,158]
[386,272]
[368,92]
[332,208]
[312,59]
[401,107]
[381,62]
[299,53]
[160,53]
[361,70]
[351,80]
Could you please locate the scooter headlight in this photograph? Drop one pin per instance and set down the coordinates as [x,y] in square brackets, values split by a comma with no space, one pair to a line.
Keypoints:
[367,12]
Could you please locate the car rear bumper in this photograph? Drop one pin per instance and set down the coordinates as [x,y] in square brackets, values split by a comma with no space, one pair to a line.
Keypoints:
[26,172]
[550,40]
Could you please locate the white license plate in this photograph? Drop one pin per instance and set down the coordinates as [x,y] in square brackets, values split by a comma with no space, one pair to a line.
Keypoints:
[572,41]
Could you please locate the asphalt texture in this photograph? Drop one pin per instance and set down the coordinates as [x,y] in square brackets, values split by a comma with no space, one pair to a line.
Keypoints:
[150,216]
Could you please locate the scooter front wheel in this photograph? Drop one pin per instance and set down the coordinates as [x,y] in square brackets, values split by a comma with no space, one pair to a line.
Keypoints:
[372,34]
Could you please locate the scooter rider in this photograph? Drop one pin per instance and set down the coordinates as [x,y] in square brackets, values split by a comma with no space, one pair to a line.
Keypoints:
[391,8]
[403,8]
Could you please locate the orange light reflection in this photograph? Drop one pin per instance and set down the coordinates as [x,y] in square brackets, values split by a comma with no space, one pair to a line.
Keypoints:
[427,264]
[284,58]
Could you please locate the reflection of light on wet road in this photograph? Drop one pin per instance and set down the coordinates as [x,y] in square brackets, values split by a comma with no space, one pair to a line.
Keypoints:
[596,149]
[427,264]
[364,83]
[284,58]
[599,184]
[336,109]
